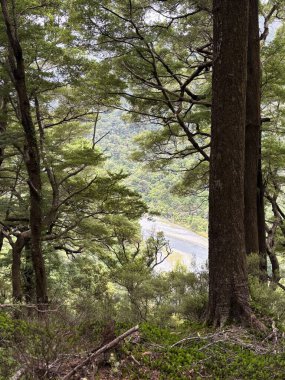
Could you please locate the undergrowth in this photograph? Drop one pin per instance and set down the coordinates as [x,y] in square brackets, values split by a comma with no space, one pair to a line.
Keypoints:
[187,351]
[227,357]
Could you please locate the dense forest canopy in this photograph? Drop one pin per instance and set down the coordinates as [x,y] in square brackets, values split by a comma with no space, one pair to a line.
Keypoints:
[111,111]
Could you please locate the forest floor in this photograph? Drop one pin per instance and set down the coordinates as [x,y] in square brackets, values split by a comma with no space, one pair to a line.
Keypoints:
[162,354]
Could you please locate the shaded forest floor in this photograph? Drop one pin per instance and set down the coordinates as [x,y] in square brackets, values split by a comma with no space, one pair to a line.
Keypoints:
[188,352]
[232,353]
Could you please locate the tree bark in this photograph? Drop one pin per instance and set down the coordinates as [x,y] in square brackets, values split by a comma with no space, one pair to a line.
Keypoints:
[271,235]
[17,291]
[31,152]
[3,126]
[252,131]
[3,123]
[28,272]
[261,220]
[17,248]
[228,282]
[271,250]
[253,186]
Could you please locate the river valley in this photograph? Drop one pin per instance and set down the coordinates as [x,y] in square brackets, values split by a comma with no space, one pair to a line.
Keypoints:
[188,248]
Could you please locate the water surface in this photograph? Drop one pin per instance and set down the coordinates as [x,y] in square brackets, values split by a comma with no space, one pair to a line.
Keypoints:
[188,247]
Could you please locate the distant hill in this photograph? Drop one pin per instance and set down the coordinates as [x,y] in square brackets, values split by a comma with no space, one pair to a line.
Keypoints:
[155,187]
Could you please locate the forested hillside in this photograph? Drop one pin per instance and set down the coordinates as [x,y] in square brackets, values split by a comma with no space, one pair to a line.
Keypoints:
[114,109]
[162,189]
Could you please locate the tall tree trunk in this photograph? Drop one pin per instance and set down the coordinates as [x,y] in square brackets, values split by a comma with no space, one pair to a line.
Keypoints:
[31,153]
[228,282]
[252,131]
[253,187]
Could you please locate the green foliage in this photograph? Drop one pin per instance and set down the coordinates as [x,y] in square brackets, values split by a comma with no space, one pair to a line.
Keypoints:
[81,59]
[42,340]
[268,300]
[198,358]
[166,192]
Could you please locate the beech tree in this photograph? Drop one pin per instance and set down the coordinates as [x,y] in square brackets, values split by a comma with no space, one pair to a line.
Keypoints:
[31,150]
[228,283]
[273,146]
[168,88]
[252,130]
[255,235]
[44,87]
[165,78]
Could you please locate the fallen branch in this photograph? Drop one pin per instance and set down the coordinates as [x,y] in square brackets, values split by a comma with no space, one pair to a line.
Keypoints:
[234,337]
[19,374]
[135,360]
[105,348]
[210,344]
[184,340]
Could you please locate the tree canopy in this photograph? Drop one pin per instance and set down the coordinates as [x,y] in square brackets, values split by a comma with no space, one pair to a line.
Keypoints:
[114,111]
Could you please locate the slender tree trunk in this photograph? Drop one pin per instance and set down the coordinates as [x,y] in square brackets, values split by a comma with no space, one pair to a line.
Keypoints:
[17,291]
[17,248]
[261,220]
[271,249]
[252,131]
[3,126]
[271,235]
[3,123]
[228,282]
[31,153]
[29,285]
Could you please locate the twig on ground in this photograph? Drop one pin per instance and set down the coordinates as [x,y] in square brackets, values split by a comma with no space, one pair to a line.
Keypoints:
[210,344]
[235,337]
[135,360]
[20,373]
[101,350]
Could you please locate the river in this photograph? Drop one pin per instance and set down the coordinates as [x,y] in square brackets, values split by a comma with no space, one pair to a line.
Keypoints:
[188,248]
